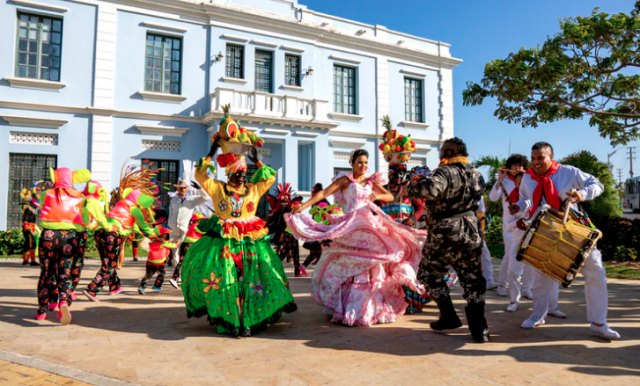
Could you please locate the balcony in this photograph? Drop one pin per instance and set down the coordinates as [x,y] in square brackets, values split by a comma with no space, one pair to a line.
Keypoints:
[263,108]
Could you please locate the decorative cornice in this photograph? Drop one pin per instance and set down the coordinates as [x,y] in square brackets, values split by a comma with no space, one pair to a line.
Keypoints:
[263,43]
[165,131]
[161,97]
[414,73]
[236,38]
[343,59]
[42,122]
[306,134]
[347,117]
[41,5]
[164,26]
[34,84]
[276,131]
[347,143]
[228,79]
[414,125]
[291,48]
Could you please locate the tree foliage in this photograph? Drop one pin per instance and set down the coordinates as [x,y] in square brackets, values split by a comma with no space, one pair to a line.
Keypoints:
[492,163]
[607,204]
[588,70]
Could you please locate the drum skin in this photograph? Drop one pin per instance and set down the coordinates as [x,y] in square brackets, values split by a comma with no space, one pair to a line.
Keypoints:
[558,250]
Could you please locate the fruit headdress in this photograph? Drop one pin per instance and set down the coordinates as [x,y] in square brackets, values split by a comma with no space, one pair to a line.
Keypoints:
[397,148]
[234,141]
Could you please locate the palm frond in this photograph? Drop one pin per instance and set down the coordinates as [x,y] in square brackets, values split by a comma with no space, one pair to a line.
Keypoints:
[386,122]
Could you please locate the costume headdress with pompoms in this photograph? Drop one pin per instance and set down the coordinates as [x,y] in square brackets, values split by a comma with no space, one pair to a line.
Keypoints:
[234,141]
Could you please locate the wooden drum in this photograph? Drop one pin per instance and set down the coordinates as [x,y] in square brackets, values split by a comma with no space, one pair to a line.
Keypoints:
[557,246]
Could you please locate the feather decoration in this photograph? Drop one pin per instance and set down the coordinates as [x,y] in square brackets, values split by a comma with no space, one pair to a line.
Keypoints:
[140,177]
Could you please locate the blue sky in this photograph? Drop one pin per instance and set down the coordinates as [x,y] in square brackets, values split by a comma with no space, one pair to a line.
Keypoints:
[479,31]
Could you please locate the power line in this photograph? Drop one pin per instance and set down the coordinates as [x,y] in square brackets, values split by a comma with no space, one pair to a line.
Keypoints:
[631,158]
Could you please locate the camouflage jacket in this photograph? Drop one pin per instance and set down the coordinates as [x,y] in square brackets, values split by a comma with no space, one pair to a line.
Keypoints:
[451,190]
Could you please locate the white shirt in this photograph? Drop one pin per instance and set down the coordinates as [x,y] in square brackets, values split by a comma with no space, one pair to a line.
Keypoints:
[565,179]
[481,206]
[181,209]
[496,195]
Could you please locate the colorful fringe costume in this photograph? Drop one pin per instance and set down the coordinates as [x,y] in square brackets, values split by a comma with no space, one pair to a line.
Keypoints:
[287,246]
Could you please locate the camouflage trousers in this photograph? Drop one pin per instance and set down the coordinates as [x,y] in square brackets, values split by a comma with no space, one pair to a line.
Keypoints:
[467,264]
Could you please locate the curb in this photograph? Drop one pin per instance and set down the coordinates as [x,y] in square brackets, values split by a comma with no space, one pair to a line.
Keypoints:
[64,371]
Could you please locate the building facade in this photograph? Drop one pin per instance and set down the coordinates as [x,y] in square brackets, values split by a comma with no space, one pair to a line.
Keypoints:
[93,84]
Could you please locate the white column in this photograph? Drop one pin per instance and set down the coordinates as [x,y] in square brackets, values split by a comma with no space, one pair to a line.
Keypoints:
[382,98]
[103,94]
[446,103]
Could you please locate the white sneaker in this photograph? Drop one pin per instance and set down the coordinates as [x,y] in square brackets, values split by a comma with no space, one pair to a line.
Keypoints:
[557,313]
[173,283]
[512,307]
[491,286]
[502,291]
[604,332]
[179,280]
[531,323]
[527,295]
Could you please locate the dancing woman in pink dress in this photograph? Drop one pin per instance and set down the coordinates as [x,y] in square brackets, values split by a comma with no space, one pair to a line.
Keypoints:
[359,277]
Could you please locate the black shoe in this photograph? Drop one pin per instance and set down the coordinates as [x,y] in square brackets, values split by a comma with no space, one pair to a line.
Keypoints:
[135,259]
[477,322]
[25,262]
[34,263]
[449,319]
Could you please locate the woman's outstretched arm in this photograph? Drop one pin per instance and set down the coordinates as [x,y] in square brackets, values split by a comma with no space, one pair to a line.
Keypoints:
[337,185]
[380,194]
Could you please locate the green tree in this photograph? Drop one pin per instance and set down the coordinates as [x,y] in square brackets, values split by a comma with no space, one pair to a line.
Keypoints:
[605,205]
[493,163]
[588,70]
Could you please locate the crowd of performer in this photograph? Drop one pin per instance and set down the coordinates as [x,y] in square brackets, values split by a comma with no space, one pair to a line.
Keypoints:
[389,245]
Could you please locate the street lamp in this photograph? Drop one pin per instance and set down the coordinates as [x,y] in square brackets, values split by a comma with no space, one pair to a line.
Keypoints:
[609,158]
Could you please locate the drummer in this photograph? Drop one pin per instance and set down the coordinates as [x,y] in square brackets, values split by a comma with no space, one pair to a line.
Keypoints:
[548,182]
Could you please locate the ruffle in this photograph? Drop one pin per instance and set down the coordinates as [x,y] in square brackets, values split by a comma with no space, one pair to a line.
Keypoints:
[253,227]
[242,331]
[378,177]
[263,174]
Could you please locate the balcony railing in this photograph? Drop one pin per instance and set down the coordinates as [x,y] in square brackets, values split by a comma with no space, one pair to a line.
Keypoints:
[260,107]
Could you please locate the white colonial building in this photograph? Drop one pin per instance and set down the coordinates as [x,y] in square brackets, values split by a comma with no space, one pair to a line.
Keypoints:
[91,83]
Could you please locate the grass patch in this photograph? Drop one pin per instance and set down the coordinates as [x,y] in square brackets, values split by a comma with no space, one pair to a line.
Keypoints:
[497,250]
[627,270]
[92,254]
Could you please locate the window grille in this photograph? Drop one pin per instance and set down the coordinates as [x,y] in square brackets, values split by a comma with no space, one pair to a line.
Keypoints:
[413,100]
[292,70]
[39,47]
[344,89]
[234,65]
[162,67]
[264,64]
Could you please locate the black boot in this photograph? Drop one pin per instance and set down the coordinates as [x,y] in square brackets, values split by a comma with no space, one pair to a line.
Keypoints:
[448,317]
[477,322]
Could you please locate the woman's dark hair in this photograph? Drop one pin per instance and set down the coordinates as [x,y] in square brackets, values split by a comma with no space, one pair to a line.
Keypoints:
[542,145]
[318,186]
[518,159]
[519,174]
[462,147]
[357,153]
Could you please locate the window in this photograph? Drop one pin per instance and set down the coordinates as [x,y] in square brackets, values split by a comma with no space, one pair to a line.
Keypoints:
[264,64]
[39,47]
[337,171]
[412,100]
[306,166]
[292,70]
[168,174]
[24,170]
[234,67]
[344,89]
[162,67]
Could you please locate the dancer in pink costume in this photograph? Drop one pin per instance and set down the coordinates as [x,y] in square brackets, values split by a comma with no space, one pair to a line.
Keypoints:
[360,275]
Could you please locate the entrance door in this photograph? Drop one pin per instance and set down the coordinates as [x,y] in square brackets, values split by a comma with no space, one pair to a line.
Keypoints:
[24,170]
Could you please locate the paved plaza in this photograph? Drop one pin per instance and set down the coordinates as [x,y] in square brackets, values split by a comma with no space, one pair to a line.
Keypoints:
[147,340]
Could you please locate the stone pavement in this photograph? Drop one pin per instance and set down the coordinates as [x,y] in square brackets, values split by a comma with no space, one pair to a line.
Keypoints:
[148,340]
[14,374]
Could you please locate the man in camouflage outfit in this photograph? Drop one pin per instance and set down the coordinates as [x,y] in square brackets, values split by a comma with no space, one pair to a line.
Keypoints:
[455,239]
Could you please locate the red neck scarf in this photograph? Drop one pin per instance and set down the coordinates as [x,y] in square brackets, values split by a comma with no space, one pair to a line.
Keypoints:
[545,188]
[514,196]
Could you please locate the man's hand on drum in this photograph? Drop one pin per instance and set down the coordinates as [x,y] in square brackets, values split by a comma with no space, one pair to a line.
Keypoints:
[575,196]
[513,209]
[521,224]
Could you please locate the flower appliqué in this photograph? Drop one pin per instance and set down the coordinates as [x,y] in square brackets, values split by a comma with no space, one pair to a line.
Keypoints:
[257,288]
[223,206]
[212,282]
[251,207]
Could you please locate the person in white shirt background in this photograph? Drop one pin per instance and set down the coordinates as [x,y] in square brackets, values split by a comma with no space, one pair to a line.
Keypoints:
[183,205]
[516,163]
[548,182]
